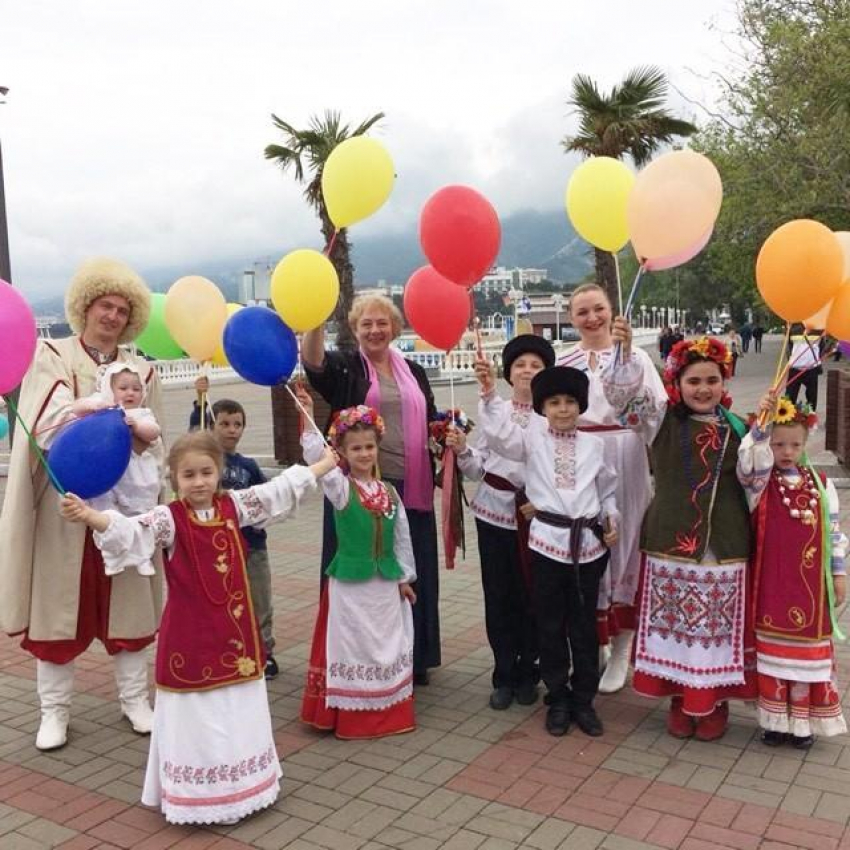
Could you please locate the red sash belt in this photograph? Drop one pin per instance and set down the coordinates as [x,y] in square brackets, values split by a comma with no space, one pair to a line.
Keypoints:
[523,526]
[596,429]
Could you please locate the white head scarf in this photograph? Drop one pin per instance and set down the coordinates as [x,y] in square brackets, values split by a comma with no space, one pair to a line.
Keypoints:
[104,380]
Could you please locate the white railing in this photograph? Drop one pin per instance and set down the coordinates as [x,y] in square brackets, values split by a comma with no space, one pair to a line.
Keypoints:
[177,373]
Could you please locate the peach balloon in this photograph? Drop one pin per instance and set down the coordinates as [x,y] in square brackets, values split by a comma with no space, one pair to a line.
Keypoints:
[195,313]
[838,321]
[818,320]
[799,269]
[673,205]
[843,238]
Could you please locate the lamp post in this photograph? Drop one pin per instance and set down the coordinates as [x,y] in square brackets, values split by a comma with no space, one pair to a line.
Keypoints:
[558,301]
[643,315]
[654,314]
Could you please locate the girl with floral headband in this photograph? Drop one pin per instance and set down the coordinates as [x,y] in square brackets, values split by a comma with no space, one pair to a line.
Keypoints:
[798,579]
[360,674]
[692,640]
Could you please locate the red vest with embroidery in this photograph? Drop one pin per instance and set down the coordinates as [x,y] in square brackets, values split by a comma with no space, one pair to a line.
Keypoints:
[208,637]
[789,589]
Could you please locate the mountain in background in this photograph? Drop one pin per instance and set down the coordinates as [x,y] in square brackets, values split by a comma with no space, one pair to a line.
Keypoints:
[530,239]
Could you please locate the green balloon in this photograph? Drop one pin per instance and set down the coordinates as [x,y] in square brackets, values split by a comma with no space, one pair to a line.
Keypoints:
[155,340]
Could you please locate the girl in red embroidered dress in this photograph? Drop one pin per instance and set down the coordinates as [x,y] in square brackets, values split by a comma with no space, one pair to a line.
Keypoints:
[798,580]
[693,640]
[212,756]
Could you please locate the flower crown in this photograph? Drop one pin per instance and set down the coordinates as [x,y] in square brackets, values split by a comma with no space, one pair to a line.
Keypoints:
[350,417]
[788,413]
[689,351]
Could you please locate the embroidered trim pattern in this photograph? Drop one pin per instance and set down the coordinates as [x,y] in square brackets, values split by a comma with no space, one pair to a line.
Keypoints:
[187,774]
[370,672]
[160,523]
[565,460]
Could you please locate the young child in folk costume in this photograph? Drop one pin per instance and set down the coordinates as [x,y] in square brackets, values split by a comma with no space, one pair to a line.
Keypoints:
[212,756]
[360,675]
[503,533]
[625,451]
[798,579]
[693,640]
[572,490]
[138,489]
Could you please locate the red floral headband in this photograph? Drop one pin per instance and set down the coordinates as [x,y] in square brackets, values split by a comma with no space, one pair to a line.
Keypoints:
[704,349]
[349,417]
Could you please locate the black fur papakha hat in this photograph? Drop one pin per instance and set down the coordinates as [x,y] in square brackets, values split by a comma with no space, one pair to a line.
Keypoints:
[526,344]
[559,380]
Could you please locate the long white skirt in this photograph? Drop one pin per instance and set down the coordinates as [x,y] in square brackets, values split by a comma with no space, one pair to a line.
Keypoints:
[369,645]
[625,451]
[212,755]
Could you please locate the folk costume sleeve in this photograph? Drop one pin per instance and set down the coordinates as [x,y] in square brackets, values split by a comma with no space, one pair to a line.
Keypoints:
[335,485]
[131,541]
[471,462]
[839,540]
[755,462]
[501,434]
[606,487]
[277,499]
[639,404]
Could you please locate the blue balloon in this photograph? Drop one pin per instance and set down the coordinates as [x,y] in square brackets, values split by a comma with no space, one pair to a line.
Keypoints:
[4,426]
[259,346]
[90,455]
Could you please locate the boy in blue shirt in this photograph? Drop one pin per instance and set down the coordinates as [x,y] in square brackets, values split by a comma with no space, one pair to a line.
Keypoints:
[228,425]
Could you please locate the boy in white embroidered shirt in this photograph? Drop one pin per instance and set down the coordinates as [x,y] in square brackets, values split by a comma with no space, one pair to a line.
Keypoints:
[572,490]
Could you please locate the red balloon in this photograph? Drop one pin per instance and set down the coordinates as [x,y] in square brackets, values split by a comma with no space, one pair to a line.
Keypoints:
[438,310]
[460,234]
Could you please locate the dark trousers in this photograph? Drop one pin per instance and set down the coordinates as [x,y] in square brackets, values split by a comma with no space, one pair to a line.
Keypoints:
[757,343]
[565,605]
[426,612]
[511,630]
[809,379]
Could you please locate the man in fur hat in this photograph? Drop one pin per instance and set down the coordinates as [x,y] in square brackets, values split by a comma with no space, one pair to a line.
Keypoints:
[53,589]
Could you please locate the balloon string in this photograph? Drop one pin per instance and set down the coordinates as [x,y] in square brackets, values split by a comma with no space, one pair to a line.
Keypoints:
[777,376]
[451,383]
[629,304]
[619,281]
[42,459]
[331,243]
[306,415]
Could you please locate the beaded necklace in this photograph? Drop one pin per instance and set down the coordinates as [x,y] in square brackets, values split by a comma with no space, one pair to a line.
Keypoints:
[707,439]
[804,495]
[378,502]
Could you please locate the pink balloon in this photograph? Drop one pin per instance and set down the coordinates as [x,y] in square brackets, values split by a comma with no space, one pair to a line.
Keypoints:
[437,308]
[460,234]
[661,263]
[17,337]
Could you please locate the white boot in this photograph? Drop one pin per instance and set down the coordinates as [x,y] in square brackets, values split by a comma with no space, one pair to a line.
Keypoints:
[131,677]
[55,684]
[604,656]
[618,665]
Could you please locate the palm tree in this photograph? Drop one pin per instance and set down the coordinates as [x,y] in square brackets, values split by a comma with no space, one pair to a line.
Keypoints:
[630,120]
[306,152]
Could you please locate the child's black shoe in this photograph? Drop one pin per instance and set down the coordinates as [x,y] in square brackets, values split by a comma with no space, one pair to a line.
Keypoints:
[773,739]
[558,719]
[802,742]
[501,698]
[526,694]
[587,720]
[271,669]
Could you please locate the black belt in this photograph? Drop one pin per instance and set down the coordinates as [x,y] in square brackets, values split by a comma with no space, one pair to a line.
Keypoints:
[576,525]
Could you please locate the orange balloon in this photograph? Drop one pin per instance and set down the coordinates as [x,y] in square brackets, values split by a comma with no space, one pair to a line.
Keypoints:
[674,203]
[818,321]
[799,268]
[838,320]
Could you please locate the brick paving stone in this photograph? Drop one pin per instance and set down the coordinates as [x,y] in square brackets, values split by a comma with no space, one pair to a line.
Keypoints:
[19,841]
[48,833]
[550,834]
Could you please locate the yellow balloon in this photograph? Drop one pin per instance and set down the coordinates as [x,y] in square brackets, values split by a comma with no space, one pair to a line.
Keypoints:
[219,358]
[357,179]
[838,321]
[674,204]
[597,196]
[195,313]
[305,289]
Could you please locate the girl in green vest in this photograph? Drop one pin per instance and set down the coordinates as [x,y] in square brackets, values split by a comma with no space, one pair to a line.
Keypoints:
[693,639]
[360,675]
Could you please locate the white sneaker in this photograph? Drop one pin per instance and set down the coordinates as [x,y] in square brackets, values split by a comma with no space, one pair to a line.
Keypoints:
[139,713]
[617,670]
[53,730]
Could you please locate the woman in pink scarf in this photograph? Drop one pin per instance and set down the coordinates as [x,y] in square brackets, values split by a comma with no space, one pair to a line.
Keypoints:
[378,375]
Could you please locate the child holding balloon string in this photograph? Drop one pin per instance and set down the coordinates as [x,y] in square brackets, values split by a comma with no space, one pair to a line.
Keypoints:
[694,638]
[360,676]
[798,578]
[212,756]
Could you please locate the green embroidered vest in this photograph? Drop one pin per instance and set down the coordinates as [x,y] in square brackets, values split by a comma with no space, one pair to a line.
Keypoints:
[364,542]
[684,520]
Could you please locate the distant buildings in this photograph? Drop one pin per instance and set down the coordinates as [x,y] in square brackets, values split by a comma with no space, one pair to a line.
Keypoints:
[498,281]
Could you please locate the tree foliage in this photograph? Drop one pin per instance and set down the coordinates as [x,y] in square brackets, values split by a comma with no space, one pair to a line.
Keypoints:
[781,138]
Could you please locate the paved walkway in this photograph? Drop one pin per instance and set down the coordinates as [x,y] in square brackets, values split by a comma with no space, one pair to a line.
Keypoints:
[469,778]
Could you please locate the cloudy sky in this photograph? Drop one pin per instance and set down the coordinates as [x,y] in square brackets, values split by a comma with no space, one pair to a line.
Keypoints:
[137,129]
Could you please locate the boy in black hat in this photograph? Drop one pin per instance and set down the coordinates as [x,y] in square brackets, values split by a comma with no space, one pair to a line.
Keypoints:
[503,533]
[572,490]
